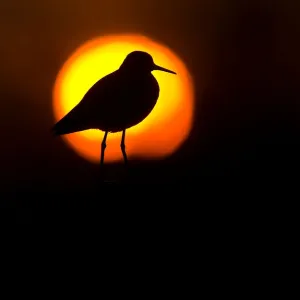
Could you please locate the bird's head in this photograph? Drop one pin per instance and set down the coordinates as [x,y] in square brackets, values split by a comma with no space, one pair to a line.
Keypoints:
[142,62]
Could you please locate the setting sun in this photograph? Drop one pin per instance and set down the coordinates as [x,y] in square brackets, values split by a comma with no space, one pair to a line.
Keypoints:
[161,133]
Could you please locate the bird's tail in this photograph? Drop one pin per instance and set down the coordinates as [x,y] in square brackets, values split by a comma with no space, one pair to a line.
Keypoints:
[55,130]
[66,126]
[72,122]
[61,128]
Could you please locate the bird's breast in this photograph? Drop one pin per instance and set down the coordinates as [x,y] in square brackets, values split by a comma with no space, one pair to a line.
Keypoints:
[144,88]
[138,96]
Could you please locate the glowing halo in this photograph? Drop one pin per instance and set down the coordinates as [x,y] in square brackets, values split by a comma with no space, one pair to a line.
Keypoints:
[161,133]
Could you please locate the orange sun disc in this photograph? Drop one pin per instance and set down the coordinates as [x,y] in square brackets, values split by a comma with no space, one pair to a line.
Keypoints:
[161,133]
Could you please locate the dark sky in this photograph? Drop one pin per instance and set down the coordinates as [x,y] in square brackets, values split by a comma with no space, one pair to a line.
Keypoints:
[244,57]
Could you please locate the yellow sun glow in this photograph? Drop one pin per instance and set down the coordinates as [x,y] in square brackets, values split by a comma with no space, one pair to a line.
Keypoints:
[161,133]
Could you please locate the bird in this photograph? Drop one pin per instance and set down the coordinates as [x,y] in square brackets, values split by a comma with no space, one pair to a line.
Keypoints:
[116,102]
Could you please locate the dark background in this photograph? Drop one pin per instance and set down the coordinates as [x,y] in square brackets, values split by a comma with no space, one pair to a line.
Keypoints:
[244,57]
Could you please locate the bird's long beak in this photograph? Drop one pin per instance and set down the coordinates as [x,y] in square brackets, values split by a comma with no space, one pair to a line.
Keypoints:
[156,67]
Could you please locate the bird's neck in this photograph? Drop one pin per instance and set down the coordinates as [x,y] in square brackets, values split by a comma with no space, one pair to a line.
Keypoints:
[135,72]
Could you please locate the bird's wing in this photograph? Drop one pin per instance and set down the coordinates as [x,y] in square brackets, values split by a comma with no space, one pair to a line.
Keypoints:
[88,110]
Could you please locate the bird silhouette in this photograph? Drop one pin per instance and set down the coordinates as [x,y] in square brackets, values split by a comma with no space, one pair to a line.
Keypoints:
[116,102]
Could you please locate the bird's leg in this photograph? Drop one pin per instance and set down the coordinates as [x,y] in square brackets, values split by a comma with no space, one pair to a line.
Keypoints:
[123,147]
[103,146]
